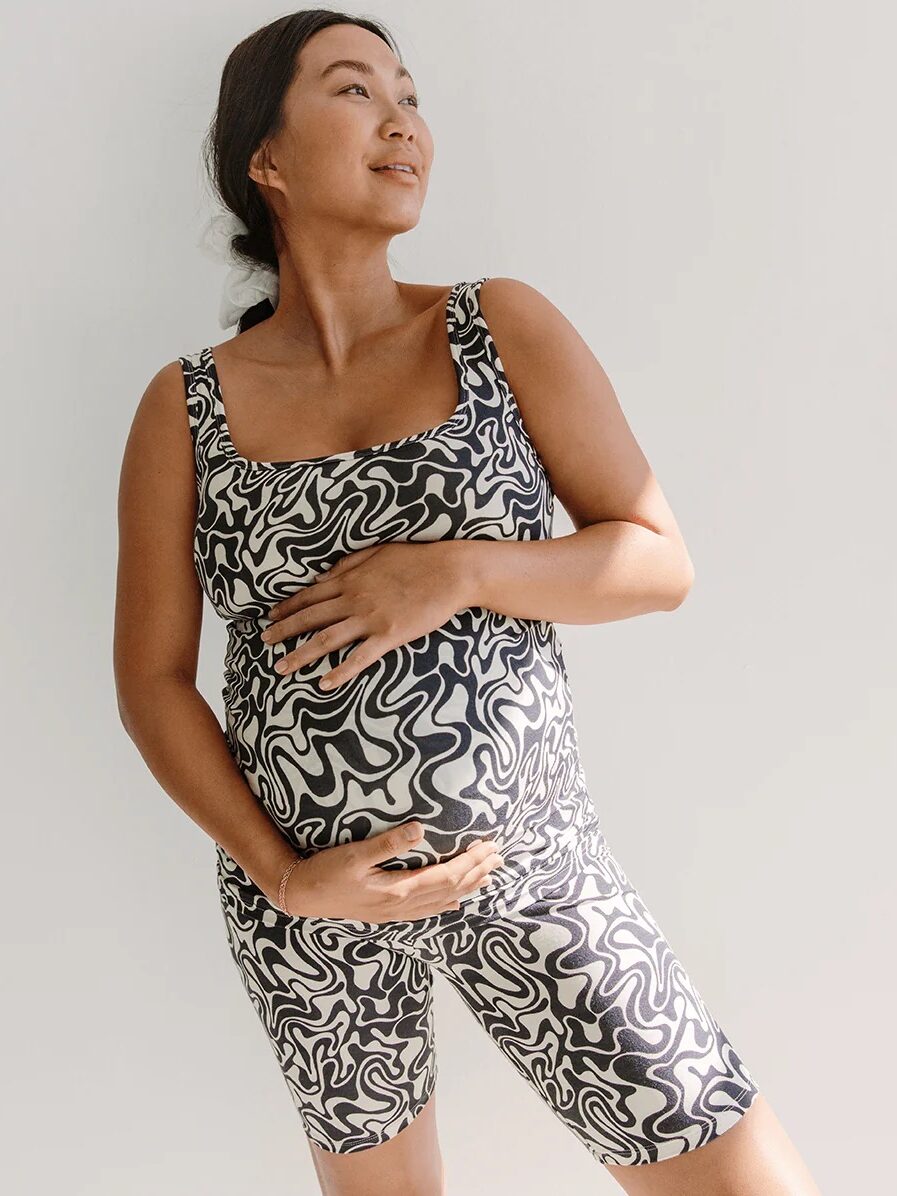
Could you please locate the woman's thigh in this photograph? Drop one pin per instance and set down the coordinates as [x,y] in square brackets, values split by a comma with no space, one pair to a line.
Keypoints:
[348,1016]
[580,990]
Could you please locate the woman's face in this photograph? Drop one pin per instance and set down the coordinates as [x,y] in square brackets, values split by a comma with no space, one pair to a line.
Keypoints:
[339,123]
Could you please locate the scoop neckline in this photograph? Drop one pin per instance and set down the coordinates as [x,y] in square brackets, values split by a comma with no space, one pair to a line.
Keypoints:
[347,454]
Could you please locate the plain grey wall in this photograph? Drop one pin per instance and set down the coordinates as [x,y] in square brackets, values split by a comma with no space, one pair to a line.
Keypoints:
[707,191]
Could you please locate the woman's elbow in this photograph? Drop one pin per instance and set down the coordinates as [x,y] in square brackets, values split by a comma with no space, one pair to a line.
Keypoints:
[684,581]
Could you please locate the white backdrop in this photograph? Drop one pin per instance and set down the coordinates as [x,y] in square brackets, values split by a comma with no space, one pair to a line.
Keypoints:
[718,223]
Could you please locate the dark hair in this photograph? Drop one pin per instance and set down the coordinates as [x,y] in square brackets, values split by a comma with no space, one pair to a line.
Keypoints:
[255,78]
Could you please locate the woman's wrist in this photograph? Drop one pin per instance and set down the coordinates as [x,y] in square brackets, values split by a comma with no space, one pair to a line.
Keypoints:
[275,867]
[284,881]
[462,563]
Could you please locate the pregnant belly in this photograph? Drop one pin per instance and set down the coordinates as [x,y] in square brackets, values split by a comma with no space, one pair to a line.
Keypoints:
[471,742]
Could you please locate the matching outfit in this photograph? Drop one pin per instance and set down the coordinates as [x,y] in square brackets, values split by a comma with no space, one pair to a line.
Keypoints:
[468,729]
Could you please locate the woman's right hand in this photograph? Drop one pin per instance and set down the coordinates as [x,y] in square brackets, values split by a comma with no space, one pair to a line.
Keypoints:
[345,882]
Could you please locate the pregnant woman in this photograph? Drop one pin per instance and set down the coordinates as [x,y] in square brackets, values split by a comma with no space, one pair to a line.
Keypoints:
[362,482]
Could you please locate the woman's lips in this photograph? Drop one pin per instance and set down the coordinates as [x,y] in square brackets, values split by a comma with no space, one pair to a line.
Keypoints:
[404,176]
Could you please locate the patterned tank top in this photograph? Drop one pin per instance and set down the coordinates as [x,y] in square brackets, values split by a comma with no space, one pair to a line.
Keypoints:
[468,729]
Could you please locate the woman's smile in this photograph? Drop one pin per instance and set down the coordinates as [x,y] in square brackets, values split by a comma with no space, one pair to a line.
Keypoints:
[389,172]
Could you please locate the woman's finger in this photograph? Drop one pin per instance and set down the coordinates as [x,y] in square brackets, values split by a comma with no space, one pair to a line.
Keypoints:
[316,591]
[311,594]
[319,615]
[350,560]
[370,649]
[436,881]
[479,874]
[469,886]
[326,639]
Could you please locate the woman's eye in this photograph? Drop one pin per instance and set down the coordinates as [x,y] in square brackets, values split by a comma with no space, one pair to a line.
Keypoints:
[361,87]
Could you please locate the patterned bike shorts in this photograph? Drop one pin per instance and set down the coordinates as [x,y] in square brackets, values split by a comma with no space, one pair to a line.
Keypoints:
[568,974]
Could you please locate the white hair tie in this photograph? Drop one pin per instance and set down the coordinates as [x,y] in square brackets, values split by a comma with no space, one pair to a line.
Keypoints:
[244,285]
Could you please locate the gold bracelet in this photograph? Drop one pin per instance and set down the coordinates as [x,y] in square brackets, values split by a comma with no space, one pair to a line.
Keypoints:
[281,892]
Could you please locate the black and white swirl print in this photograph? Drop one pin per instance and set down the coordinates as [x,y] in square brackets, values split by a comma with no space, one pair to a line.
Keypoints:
[578,988]
[468,728]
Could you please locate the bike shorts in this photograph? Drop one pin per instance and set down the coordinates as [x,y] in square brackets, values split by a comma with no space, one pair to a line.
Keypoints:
[570,977]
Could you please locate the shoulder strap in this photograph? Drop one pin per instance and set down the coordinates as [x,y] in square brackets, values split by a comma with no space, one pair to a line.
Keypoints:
[479,355]
[496,392]
[201,413]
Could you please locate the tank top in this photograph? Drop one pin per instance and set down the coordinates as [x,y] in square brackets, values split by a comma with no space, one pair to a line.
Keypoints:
[468,729]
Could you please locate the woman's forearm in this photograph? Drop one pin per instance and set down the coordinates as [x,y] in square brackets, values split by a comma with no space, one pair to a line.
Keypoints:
[607,571]
[177,734]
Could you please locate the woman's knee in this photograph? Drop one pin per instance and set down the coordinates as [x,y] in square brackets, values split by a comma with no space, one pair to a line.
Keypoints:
[409,1162]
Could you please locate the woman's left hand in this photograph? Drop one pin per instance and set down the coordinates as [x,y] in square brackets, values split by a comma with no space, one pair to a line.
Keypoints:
[384,596]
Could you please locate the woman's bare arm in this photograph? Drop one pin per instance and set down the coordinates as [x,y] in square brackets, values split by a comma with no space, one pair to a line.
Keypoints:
[158,618]
[627,556]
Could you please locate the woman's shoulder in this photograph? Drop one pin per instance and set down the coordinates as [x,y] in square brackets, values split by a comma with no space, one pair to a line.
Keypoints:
[166,388]
[163,411]
[524,321]
[512,298]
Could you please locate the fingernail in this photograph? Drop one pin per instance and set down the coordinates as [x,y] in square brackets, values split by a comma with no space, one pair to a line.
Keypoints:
[281,666]
[412,830]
